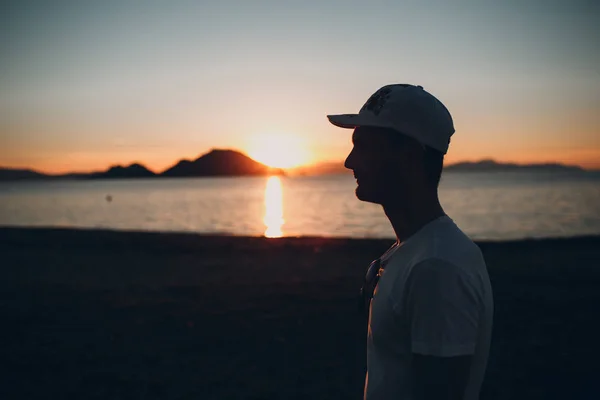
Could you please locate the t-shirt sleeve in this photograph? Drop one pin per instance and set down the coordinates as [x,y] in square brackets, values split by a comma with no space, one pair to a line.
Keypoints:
[443,306]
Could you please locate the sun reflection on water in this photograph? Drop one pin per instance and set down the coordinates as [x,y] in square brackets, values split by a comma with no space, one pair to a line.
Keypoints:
[273,208]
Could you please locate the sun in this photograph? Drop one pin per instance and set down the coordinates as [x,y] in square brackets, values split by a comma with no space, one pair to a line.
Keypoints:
[279,150]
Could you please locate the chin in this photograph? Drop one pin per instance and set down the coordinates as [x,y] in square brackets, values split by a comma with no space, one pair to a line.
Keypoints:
[367,195]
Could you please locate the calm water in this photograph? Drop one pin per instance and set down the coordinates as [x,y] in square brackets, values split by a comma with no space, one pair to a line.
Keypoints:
[486,206]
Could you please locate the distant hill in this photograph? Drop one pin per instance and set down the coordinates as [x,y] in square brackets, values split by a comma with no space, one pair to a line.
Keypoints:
[233,163]
[13,174]
[119,172]
[115,172]
[328,168]
[220,163]
[493,166]
[214,163]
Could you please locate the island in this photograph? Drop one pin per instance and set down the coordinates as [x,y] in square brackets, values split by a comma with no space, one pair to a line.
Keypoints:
[217,163]
[493,166]
[220,163]
[225,162]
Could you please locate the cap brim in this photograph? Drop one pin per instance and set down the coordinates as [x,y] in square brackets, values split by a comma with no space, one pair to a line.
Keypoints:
[351,121]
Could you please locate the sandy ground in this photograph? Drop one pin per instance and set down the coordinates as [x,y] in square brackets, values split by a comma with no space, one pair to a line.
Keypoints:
[123,315]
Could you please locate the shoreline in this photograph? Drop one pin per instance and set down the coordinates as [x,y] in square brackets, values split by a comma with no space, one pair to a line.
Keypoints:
[40,228]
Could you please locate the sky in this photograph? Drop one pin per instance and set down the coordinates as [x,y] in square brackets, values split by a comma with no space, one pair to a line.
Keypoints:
[88,84]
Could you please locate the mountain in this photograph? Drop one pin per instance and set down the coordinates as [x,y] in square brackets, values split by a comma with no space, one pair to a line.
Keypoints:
[329,168]
[115,172]
[220,163]
[214,163]
[493,166]
[233,163]
[134,170]
[13,174]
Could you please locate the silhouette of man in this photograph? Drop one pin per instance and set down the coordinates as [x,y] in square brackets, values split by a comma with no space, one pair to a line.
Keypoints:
[429,296]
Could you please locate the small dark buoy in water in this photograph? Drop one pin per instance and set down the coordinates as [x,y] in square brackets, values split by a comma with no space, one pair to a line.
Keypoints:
[108,198]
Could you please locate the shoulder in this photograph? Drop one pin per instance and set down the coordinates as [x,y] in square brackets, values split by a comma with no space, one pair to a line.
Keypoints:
[445,281]
[450,249]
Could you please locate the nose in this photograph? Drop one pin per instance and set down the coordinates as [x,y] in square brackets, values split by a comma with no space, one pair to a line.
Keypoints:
[349,162]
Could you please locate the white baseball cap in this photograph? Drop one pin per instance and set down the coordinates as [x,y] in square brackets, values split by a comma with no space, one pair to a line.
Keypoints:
[407,109]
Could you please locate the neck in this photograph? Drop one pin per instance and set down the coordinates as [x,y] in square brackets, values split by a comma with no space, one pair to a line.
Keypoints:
[410,218]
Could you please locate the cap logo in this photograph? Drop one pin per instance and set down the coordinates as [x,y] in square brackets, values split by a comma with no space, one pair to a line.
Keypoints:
[377,101]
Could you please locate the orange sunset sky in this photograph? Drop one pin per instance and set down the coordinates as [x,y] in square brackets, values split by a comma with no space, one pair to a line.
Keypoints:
[88,85]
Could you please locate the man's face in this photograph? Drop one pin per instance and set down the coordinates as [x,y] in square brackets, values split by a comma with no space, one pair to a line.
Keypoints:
[382,167]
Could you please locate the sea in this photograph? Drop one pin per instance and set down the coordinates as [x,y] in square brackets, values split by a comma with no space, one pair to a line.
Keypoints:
[486,205]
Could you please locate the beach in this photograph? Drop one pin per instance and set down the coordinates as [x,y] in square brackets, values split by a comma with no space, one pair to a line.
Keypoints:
[100,314]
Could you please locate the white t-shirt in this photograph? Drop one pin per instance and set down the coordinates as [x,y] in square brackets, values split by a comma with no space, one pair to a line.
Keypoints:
[433,298]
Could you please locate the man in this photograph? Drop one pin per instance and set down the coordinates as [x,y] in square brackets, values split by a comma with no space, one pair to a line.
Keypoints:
[431,304]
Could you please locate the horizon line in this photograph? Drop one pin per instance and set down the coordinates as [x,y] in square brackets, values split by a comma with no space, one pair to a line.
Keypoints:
[288,169]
